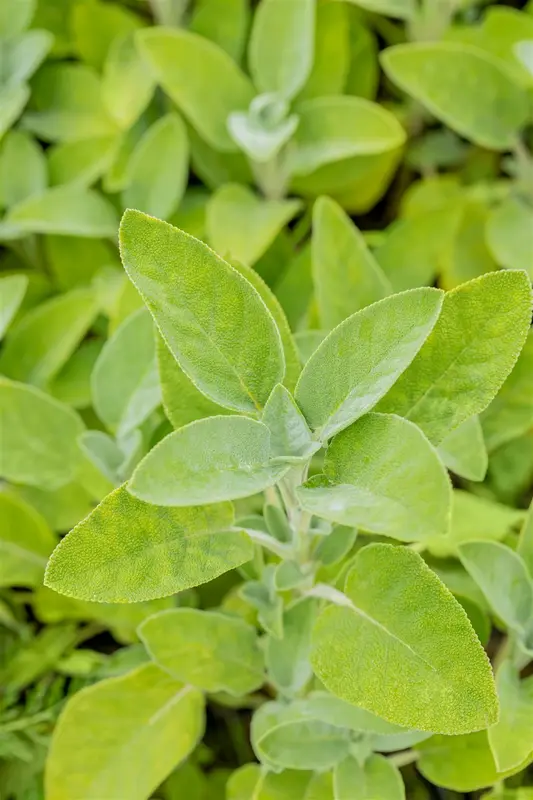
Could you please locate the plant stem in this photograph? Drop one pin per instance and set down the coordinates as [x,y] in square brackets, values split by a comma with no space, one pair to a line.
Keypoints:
[403,759]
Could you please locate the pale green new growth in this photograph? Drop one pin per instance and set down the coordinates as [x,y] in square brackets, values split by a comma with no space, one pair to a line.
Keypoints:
[398,615]
[126,551]
[376,779]
[12,291]
[511,739]
[26,541]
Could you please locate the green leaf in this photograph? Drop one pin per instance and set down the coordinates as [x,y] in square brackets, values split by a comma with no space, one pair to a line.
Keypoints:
[406,623]
[162,151]
[288,736]
[525,542]
[434,74]
[22,55]
[346,276]
[464,452]
[139,552]
[207,649]
[362,357]
[182,401]
[214,322]
[125,384]
[466,254]
[242,226]
[12,101]
[68,104]
[262,132]
[336,545]
[15,16]
[510,234]
[281,48]
[12,291]
[504,580]
[96,25]
[83,162]
[511,739]
[330,709]
[23,170]
[460,763]
[466,358]
[510,414]
[336,128]
[219,458]
[251,780]
[381,474]
[332,52]
[290,438]
[42,342]
[39,437]
[26,541]
[123,736]
[287,659]
[224,22]
[127,86]
[66,211]
[207,94]
[376,779]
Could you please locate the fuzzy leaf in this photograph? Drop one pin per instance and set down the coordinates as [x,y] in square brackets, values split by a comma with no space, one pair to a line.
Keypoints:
[124,383]
[429,671]
[67,211]
[362,357]
[23,170]
[463,450]
[127,86]
[207,649]
[126,551]
[511,739]
[287,659]
[466,358]
[510,234]
[290,438]
[434,74]
[281,48]
[504,580]
[213,320]
[107,730]
[346,276]
[381,474]
[376,779]
[26,541]
[206,94]
[38,437]
[219,458]
[12,291]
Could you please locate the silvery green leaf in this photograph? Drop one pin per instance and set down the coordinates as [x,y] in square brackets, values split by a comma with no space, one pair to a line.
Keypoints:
[464,452]
[15,16]
[376,779]
[125,383]
[509,233]
[288,659]
[144,714]
[206,95]
[21,56]
[224,22]
[346,276]
[12,101]
[362,358]
[255,781]
[219,458]
[213,320]
[260,141]
[158,168]
[331,63]
[524,52]
[139,552]
[103,452]
[207,649]
[504,580]
[83,162]
[525,542]
[127,86]
[281,47]
[23,169]
[336,545]
[406,623]
[290,437]
[67,211]
[468,355]
[39,434]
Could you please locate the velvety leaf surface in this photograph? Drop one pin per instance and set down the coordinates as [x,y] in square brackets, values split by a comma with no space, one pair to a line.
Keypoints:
[464,452]
[429,671]
[214,322]
[288,659]
[144,717]
[376,779]
[383,476]
[126,551]
[26,541]
[38,437]
[127,86]
[466,358]
[362,357]
[219,458]
[511,739]
[290,437]
[210,650]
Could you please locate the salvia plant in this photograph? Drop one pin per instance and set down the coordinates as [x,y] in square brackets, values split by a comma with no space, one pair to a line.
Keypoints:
[266,396]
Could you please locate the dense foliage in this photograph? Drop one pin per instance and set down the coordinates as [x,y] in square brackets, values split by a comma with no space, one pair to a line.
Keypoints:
[267,361]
